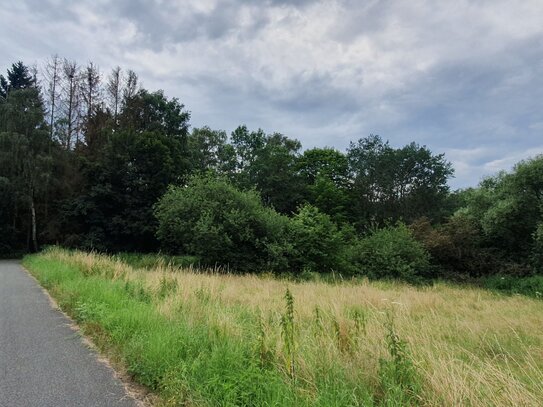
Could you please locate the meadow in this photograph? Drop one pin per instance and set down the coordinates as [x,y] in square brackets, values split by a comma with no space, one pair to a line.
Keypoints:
[215,339]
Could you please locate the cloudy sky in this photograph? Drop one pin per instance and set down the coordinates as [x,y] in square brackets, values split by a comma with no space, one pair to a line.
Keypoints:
[463,77]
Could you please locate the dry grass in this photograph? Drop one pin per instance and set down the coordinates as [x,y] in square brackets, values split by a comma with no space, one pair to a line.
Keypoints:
[470,347]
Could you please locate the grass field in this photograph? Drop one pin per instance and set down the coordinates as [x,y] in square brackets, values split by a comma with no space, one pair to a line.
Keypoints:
[226,340]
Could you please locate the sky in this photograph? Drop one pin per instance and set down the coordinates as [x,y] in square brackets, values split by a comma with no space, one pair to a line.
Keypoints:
[464,78]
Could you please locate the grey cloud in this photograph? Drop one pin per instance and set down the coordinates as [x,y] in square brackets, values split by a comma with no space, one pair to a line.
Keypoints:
[478,97]
[482,98]
[158,23]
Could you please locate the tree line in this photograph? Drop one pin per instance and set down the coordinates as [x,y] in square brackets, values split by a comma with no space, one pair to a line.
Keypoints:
[96,161]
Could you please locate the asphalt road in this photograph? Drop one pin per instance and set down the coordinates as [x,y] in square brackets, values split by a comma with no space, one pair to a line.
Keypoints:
[44,363]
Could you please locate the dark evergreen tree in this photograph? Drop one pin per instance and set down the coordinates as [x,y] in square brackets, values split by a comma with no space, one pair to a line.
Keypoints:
[20,77]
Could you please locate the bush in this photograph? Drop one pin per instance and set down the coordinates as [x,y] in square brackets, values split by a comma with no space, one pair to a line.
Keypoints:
[458,251]
[392,252]
[318,243]
[222,225]
[530,286]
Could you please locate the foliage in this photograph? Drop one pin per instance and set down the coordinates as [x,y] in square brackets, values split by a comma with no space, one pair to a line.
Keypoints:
[403,183]
[318,244]
[268,163]
[25,159]
[222,225]
[84,160]
[18,77]
[325,171]
[209,151]
[507,208]
[392,253]
[324,162]
[153,112]
[113,211]
[455,247]
[531,286]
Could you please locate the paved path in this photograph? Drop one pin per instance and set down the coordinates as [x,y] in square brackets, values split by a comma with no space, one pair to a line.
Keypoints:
[44,363]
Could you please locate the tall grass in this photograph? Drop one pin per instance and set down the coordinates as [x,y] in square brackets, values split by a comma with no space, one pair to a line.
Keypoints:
[151,260]
[225,340]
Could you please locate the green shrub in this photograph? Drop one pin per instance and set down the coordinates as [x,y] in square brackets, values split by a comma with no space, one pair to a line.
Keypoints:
[318,243]
[392,252]
[222,226]
[530,286]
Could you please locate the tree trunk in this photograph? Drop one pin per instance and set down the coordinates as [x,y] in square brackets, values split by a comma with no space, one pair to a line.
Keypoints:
[70,112]
[34,234]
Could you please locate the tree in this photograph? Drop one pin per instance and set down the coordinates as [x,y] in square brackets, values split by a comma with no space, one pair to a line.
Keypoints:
[275,173]
[247,145]
[69,124]
[330,199]
[112,209]
[90,90]
[152,111]
[114,92]
[403,183]
[268,163]
[324,162]
[508,208]
[325,172]
[455,247]
[131,86]
[52,76]
[209,150]
[125,170]
[3,88]
[20,77]
[25,149]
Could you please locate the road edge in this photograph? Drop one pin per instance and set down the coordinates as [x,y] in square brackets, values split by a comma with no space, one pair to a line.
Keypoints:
[141,395]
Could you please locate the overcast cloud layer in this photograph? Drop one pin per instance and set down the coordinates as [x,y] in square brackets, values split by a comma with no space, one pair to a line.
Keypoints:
[462,77]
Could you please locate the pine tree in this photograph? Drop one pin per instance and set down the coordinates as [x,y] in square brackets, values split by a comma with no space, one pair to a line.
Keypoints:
[20,77]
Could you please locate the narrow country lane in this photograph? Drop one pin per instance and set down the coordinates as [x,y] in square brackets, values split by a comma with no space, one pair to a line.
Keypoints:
[44,363]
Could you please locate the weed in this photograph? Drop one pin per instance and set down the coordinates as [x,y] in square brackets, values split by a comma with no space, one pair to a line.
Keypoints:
[167,286]
[136,290]
[399,380]
[318,320]
[342,334]
[287,324]
[265,354]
